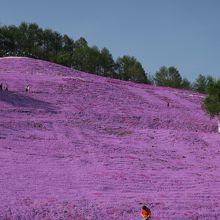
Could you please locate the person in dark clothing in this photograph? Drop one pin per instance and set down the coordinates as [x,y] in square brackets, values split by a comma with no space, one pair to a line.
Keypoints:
[27,88]
[1,87]
[145,213]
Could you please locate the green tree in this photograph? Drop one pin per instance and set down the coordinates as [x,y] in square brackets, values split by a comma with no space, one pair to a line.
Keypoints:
[68,44]
[52,44]
[64,56]
[128,68]
[210,82]
[6,43]
[211,103]
[7,38]
[168,77]
[93,60]
[200,84]
[35,39]
[107,63]
[80,55]
[29,40]
[185,84]
[57,42]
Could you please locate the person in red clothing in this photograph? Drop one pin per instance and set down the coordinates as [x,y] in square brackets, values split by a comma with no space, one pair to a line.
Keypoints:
[145,213]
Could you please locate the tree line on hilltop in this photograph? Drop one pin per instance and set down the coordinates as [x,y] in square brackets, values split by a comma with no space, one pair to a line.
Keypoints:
[33,41]
[28,39]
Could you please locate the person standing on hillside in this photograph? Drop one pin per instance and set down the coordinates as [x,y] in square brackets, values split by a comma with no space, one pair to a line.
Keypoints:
[1,87]
[145,213]
[27,88]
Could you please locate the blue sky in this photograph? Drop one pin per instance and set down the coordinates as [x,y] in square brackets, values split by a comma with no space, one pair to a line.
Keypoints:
[180,33]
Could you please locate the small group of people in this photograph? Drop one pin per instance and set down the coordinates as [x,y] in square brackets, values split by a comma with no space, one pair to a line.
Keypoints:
[4,87]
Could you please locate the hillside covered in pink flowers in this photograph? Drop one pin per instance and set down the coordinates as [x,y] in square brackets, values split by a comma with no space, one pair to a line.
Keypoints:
[81,146]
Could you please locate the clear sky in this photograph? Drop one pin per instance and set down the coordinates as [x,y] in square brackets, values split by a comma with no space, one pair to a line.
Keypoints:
[181,33]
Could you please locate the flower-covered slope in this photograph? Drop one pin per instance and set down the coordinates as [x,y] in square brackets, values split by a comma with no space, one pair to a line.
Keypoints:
[81,146]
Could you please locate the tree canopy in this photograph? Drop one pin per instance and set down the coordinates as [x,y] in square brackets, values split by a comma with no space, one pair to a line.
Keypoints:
[211,103]
[169,77]
[128,68]
[28,39]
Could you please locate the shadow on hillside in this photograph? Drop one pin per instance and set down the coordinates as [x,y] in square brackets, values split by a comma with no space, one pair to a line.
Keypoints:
[19,100]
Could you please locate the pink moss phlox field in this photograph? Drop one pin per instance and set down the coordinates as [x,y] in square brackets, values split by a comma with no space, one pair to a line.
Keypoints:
[81,146]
